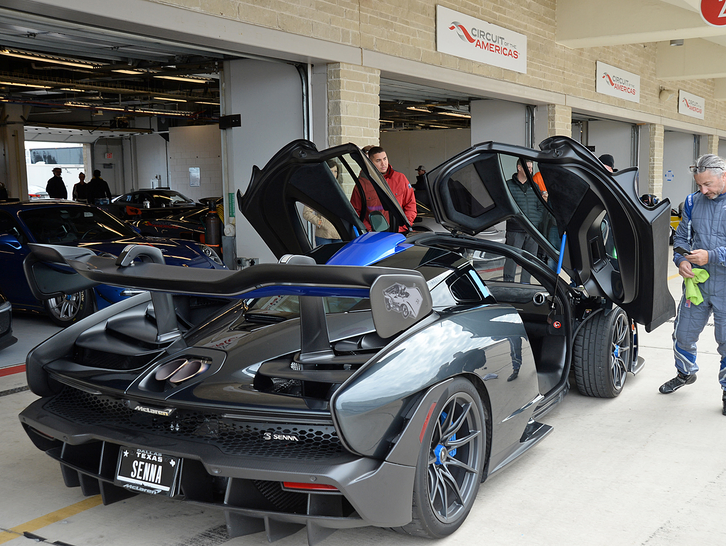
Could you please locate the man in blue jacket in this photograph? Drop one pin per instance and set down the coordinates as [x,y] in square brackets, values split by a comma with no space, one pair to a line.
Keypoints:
[703,237]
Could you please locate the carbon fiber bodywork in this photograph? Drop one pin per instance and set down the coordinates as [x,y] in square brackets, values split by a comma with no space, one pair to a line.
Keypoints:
[92,376]
[299,394]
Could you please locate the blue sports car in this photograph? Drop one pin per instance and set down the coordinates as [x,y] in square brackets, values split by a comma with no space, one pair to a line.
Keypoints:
[73,224]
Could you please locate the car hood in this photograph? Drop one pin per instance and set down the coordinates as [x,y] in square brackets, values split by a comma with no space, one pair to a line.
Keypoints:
[614,247]
[297,177]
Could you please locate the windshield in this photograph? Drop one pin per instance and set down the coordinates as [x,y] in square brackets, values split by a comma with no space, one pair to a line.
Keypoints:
[169,199]
[73,224]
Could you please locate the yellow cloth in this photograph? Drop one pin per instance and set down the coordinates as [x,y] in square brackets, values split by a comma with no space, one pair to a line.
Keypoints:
[693,293]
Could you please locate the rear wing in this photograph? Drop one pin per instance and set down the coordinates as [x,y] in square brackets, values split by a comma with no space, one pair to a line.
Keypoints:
[49,269]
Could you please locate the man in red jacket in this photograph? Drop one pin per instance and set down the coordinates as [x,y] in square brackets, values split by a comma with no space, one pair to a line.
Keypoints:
[397,182]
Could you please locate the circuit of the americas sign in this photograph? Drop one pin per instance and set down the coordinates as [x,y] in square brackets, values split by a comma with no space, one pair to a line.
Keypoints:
[464,36]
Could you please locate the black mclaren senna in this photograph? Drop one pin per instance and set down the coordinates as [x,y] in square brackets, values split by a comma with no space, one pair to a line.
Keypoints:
[377,381]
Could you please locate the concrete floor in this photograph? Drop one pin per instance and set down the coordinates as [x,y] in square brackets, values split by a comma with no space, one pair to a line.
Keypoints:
[642,469]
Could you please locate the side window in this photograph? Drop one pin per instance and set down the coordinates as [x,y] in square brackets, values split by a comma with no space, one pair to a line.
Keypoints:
[528,189]
[549,224]
[8,226]
[468,195]
[320,223]
[493,268]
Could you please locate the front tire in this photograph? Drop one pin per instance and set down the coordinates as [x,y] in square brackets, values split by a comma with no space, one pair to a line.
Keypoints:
[69,308]
[450,463]
[603,351]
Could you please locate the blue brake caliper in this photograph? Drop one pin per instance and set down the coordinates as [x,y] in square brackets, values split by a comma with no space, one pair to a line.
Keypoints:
[439,448]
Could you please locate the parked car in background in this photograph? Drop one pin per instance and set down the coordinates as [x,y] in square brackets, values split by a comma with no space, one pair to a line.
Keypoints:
[74,224]
[150,203]
[187,224]
[676,216]
[377,381]
[37,192]
[6,322]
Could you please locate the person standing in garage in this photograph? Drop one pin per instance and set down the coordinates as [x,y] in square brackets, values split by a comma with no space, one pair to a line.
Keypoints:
[528,201]
[398,183]
[97,189]
[55,187]
[700,241]
[609,162]
[79,190]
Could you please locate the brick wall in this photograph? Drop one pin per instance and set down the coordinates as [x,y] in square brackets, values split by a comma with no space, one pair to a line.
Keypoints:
[655,164]
[353,110]
[559,120]
[407,30]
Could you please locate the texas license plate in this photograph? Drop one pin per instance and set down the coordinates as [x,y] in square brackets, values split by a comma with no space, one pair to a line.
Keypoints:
[147,471]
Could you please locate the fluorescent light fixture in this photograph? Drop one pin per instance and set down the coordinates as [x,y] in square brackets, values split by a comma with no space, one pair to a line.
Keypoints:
[439,127]
[72,89]
[131,110]
[95,106]
[49,59]
[178,113]
[205,102]
[188,79]
[131,72]
[36,86]
[455,114]
[418,109]
[172,100]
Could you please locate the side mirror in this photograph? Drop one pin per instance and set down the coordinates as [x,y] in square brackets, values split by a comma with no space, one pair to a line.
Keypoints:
[11,241]
[378,221]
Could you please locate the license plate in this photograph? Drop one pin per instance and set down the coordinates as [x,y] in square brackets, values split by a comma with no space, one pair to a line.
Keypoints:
[147,471]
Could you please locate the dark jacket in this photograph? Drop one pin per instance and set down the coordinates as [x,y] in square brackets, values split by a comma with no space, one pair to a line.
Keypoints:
[56,188]
[97,188]
[527,200]
[79,191]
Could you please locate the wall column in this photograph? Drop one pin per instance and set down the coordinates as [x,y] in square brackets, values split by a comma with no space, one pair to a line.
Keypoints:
[353,104]
[559,120]
[712,146]
[655,160]
[13,172]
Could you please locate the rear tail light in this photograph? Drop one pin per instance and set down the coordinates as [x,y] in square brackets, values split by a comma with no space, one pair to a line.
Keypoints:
[299,486]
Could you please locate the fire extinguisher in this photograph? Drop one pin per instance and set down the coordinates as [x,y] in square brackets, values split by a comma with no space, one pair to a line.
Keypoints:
[213,229]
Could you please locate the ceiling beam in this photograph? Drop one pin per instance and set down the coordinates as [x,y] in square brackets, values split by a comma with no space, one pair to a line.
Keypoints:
[593,23]
[695,60]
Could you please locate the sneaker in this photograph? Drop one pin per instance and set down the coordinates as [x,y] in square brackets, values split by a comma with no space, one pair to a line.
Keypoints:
[515,374]
[677,382]
[724,402]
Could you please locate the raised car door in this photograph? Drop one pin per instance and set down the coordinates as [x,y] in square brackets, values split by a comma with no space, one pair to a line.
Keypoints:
[297,187]
[615,246]
[13,250]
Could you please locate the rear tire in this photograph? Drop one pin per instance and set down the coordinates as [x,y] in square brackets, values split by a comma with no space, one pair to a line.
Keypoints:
[67,309]
[450,463]
[602,354]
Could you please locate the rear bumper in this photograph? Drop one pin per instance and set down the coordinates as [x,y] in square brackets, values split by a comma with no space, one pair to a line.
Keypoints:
[247,488]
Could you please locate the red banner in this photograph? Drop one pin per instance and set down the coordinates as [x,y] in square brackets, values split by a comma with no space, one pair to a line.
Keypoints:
[714,12]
